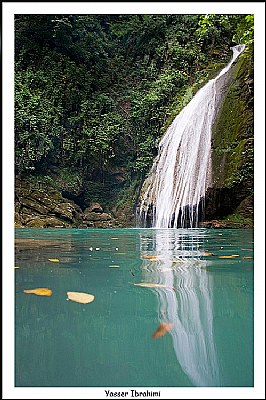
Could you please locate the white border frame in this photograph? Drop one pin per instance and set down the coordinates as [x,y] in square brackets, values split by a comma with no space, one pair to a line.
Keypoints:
[9,10]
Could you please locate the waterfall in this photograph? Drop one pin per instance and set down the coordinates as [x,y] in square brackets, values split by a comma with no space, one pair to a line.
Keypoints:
[181,172]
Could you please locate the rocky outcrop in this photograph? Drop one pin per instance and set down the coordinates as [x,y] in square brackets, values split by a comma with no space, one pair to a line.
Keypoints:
[94,216]
[94,208]
[43,206]
[232,148]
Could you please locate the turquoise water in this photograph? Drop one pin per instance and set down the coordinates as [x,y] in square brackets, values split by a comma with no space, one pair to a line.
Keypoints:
[108,342]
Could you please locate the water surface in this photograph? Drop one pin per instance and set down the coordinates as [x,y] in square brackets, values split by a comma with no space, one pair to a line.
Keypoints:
[207,299]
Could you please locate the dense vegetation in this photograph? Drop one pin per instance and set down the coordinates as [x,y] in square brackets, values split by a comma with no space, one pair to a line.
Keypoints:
[94,93]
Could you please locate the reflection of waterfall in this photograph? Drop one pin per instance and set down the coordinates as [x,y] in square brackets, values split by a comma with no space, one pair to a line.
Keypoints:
[181,173]
[189,305]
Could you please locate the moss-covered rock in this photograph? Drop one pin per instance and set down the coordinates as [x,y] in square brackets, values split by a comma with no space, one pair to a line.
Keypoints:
[44,207]
[93,216]
[47,222]
[232,144]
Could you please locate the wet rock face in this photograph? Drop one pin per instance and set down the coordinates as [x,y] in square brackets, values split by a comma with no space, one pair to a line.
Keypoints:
[221,202]
[246,207]
[94,213]
[94,207]
[213,224]
[46,208]
[43,208]
[232,147]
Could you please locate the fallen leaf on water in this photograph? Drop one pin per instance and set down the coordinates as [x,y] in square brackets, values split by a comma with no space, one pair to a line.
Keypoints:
[150,285]
[114,266]
[232,256]
[16,267]
[151,257]
[207,254]
[114,238]
[79,297]
[247,258]
[162,329]
[39,291]
[54,259]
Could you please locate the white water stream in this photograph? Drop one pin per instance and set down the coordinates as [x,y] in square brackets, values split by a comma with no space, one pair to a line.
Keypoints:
[181,173]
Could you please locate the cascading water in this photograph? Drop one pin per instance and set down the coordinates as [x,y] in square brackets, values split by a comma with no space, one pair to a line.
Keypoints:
[181,173]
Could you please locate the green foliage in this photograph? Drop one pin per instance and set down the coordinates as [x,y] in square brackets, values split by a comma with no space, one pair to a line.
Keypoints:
[40,182]
[37,120]
[95,92]
[214,30]
[245,30]
[235,28]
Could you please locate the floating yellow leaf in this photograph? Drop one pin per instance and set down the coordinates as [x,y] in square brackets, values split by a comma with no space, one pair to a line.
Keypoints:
[54,259]
[232,256]
[151,257]
[207,254]
[150,285]
[114,266]
[114,238]
[162,329]
[79,297]
[39,291]
[247,258]
[16,267]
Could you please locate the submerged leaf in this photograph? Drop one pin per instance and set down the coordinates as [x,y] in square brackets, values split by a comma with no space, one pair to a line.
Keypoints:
[54,259]
[79,297]
[162,329]
[39,291]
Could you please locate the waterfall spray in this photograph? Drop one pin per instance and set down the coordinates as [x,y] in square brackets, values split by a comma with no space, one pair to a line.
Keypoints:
[181,172]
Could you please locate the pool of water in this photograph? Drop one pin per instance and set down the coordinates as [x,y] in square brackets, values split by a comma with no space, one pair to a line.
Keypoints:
[204,292]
